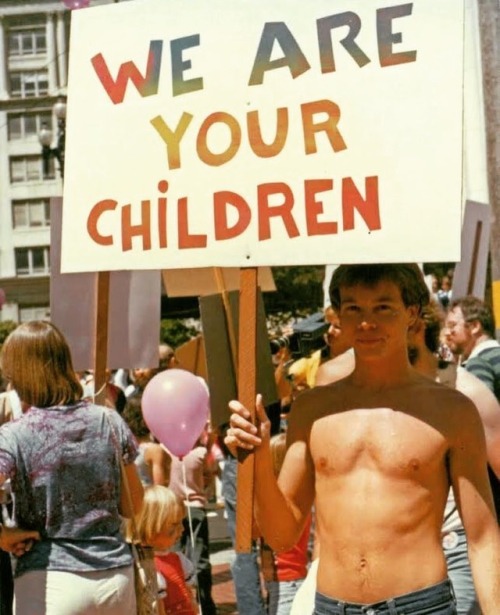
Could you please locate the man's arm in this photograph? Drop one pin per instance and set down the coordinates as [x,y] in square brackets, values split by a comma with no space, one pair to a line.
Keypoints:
[489,411]
[133,488]
[475,503]
[281,507]
[160,463]
[16,540]
[482,370]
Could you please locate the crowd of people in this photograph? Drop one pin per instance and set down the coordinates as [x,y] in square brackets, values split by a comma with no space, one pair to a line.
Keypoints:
[375,490]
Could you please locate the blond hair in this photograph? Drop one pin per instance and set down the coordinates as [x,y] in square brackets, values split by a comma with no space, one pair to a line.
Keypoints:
[160,507]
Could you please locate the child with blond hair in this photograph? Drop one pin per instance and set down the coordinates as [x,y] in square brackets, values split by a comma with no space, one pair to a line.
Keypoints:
[159,525]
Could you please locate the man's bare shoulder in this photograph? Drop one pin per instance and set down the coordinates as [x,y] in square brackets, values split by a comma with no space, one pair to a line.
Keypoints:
[454,407]
[335,369]
[316,403]
[440,392]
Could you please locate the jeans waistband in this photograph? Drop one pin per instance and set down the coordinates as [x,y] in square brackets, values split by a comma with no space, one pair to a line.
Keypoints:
[435,595]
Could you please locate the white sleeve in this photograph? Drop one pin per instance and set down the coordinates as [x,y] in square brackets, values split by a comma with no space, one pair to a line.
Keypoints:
[188,568]
[162,584]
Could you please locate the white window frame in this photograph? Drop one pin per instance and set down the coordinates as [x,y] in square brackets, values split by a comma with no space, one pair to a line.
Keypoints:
[29,207]
[30,271]
[27,33]
[41,117]
[27,169]
[26,78]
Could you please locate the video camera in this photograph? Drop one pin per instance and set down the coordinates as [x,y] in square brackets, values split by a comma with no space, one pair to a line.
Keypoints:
[308,336]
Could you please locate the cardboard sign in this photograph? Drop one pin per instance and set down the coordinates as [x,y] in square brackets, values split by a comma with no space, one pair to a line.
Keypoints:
[222,379]
[191,356]
[469,277]
[203,281]
[134,310]
[236,133]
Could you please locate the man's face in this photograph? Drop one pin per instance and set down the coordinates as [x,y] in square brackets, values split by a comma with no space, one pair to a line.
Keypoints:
[142,376]
[334,337]
[375,318]
[458,333]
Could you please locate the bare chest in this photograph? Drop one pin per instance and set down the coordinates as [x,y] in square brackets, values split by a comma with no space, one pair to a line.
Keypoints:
[392,443]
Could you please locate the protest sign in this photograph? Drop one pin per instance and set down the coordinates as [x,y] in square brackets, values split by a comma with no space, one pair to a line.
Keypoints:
[469,277]
[237,133]
[134,310]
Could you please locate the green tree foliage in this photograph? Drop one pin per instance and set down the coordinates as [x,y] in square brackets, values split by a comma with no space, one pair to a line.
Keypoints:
[175,332]
[299,290]
[6,327]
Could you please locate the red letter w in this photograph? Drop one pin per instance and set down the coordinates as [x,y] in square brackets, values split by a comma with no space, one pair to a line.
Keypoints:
[146,86]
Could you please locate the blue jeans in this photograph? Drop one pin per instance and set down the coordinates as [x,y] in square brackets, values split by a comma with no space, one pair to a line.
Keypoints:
[281,595]
[460,573]
[245,567]
[435,600]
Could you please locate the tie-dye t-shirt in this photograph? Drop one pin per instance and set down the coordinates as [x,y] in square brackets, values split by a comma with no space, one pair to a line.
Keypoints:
[65,476]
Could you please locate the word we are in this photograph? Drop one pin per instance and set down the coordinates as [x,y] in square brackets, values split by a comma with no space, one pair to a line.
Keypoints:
[273,34]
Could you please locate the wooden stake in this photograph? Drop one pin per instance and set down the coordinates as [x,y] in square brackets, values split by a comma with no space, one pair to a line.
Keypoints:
[101,336]
[247,335]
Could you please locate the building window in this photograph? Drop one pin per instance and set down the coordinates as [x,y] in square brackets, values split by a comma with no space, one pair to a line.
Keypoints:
[27,41]
[36,312]
[29,168]
[28,84]
[27,124]
[31,213]
[32,261]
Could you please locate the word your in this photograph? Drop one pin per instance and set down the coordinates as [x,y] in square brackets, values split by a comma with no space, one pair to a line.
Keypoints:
[273,34]
[154,214]
[328,111]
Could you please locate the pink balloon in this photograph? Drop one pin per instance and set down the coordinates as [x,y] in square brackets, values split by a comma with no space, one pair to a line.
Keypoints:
[175,407]
[76,4]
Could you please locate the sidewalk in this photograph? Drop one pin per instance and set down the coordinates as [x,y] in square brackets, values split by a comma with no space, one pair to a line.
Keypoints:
[223,588]
[221,553]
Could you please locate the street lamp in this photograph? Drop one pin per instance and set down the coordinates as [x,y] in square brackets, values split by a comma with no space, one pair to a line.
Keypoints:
[45,138]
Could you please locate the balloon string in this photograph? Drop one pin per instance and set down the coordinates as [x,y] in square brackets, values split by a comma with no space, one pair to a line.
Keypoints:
[95,395]
[190,520]
[191,533]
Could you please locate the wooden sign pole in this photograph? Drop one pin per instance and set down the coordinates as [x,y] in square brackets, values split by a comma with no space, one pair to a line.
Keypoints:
[246,392]
[101,336]
[475,257]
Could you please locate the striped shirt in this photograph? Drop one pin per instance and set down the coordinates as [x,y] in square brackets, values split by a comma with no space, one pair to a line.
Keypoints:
[484,363]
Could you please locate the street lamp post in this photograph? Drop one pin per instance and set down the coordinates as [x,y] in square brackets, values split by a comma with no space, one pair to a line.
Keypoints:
[45,138]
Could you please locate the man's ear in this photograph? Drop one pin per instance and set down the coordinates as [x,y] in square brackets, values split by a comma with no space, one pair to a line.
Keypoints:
[475,327]
[414,321]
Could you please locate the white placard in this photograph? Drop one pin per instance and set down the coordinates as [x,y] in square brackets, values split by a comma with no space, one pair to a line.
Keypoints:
[253,133]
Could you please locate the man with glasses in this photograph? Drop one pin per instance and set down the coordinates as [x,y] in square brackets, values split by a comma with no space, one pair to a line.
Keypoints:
[470,331]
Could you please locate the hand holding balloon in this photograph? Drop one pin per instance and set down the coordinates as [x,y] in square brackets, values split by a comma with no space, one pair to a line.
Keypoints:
[175,406]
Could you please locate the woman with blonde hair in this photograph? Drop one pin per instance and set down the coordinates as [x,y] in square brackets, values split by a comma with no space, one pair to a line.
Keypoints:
[62,459]
[159,526]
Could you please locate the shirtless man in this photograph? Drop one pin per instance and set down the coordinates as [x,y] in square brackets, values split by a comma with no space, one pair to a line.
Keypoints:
[377,452]
[423,345]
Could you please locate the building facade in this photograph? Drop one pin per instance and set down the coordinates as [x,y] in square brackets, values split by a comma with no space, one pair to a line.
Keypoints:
[34,46]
